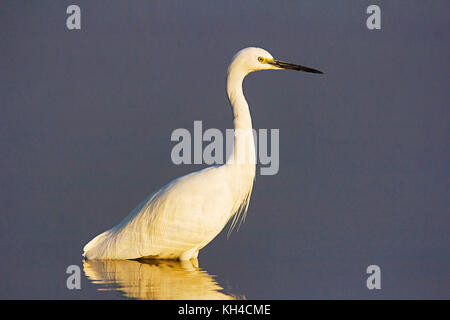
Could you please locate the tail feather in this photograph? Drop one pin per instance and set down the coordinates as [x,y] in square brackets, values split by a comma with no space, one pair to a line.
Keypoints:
[104,246]
[95,248]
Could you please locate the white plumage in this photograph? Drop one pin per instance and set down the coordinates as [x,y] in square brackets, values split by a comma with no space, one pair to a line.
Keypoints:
[182,217]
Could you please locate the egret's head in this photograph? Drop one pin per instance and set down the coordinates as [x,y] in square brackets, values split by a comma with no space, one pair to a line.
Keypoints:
[253,59]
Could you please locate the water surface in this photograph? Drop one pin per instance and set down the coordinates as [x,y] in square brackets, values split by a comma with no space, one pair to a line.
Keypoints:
[86,118]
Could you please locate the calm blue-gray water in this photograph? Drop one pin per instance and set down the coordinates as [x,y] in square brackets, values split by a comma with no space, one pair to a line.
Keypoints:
[86,118]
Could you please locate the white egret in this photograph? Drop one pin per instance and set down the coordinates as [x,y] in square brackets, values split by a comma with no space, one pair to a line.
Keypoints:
[182,217]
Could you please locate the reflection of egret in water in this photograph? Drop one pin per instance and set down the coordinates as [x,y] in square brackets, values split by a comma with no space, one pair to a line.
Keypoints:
[155,280]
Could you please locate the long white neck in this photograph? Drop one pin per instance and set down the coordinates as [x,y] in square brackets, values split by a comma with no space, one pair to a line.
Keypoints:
[241,163]
[244,147]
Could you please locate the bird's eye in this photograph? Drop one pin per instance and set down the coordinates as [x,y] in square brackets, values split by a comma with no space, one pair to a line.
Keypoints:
[261,59]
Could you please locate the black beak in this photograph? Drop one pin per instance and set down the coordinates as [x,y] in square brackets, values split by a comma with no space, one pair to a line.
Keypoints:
[291,66]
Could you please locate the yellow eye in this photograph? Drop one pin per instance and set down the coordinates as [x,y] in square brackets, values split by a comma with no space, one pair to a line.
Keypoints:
[261,59]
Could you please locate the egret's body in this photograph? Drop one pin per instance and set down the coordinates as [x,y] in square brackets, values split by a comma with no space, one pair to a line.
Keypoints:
[182,217]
